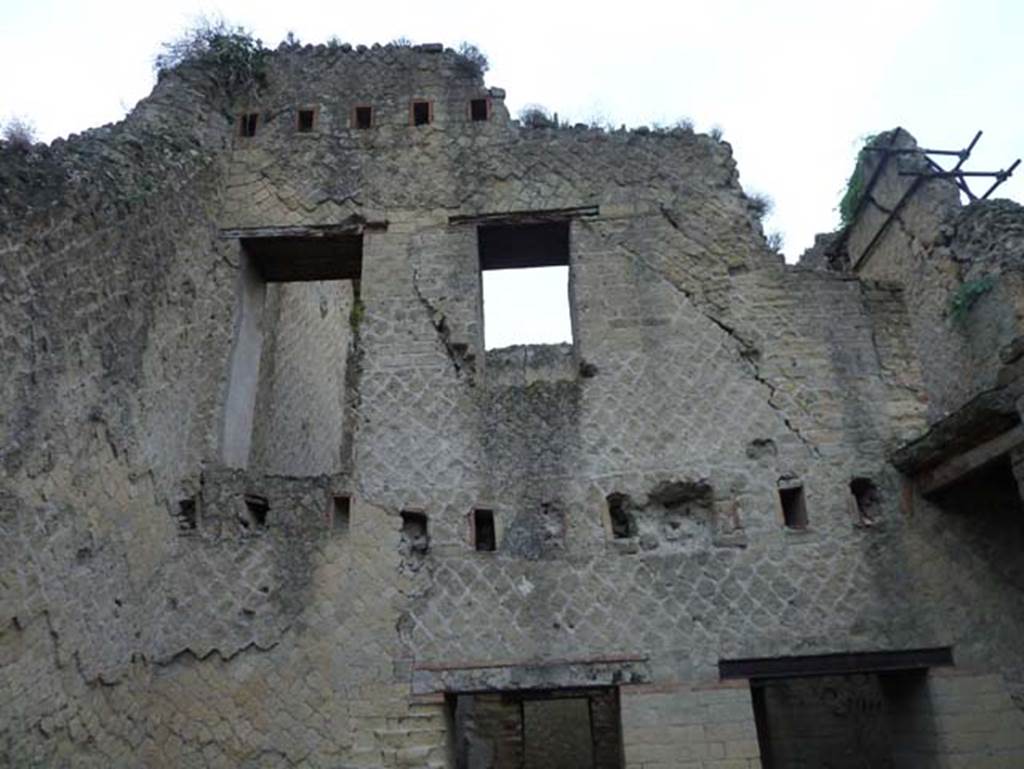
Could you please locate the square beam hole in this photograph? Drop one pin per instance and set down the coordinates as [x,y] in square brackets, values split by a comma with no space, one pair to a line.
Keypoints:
[484,535]
[307,120]
[623,524]
[414,531]
[341,514]
[478,111]
[525,277]
[256,508]
[247,123]
[363,117]
[794,507]
[420,112]
[865,494]
[188,518]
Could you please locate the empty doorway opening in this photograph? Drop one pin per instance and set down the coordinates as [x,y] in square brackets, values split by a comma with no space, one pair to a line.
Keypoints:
[538,729]
[846,721]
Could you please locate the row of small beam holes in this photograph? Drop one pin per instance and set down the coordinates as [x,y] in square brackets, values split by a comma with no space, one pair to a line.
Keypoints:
[420,113]
[414,523]
[484,534]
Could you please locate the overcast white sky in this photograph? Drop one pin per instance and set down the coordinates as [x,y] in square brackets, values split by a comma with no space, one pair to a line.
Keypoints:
[793,85]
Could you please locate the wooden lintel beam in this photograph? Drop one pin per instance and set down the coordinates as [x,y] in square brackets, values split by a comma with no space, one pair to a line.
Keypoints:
[835,664]
[313,231]
[973,459]
[516,217]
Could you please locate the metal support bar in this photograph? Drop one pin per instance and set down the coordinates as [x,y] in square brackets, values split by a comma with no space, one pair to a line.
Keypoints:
[947,174]
[892,215]
[913,150]
[956,180]
[1002,177]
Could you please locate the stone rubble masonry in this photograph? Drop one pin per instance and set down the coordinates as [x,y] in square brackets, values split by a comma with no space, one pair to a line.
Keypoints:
[128,637]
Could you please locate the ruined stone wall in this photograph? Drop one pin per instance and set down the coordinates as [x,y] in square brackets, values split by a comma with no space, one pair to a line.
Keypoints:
[703,374]
[943,255]
[108,255]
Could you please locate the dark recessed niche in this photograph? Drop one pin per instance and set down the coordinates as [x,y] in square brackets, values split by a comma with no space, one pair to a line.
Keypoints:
[794,507]
[247,123]
[307,121]
[484,535]
[866,495]
[414,531]
[341,514]
[257,508]
[363,117]
[420,112]
[622,522]
[478,110]
[187,516]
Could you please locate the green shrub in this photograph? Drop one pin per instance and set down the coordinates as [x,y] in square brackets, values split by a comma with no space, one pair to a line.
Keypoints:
[854,191]
[536,116]
[238,58]
[472,60]
[760,204]
[19,133]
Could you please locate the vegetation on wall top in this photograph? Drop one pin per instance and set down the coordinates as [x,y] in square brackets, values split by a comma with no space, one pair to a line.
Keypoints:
[854,191]
[234,53]
[19,133]
[472,59]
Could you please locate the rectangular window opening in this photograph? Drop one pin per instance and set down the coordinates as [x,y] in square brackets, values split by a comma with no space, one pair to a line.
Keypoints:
[420,112]
[525,277]
[247,123]
[794,507]
[341,514]
[484,536]
[364,117]
[414,531]
[257,508]
[307,119]
[478,111]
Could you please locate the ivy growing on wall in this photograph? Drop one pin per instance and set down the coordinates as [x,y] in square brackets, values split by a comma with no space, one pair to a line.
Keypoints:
[966,295]
[854,191]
